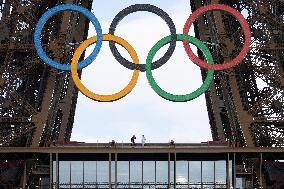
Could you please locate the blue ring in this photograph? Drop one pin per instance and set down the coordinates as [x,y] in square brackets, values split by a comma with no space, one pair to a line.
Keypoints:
[46,16]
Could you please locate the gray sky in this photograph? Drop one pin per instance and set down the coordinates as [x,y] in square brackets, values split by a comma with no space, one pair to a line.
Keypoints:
[142,111]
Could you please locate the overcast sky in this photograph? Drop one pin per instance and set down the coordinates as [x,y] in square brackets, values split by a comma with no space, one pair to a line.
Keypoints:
[142,111]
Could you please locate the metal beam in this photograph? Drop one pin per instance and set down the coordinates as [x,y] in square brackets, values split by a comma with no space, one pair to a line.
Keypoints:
[89,149]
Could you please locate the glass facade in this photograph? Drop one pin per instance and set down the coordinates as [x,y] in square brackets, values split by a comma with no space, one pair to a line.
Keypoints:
[142,174]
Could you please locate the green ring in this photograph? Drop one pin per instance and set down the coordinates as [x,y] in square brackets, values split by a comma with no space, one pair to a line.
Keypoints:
[169,96]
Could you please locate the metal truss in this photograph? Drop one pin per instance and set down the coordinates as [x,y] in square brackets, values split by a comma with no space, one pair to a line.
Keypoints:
[37,103]
[246,103]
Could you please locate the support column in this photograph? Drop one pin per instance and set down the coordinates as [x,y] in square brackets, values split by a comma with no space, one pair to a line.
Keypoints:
[155,174]
[129,174]
[201,174]
[83,174]
[252,179]
[115,172]
[142,179]
[25,175]
[260,171]
[169,170]
[96,173]
[70,176]
[175,170]
[109,170]
[50,171]
[214,174]
[234,172]
[57,172]
[228,170]
[188,174]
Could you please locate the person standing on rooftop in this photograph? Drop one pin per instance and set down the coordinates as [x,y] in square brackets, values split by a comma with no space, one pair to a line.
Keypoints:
[143,140]
[133,140]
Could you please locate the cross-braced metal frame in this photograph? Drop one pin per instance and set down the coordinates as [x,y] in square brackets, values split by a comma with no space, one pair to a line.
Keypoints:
[37,103]
[246,103]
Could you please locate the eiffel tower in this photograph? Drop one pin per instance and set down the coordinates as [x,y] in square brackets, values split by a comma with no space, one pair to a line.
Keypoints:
[245,103]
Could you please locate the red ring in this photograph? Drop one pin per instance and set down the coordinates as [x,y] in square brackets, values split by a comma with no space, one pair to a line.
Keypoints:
[228,64]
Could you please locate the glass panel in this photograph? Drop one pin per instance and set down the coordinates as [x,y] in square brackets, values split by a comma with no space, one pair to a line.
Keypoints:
[90,171]
[208,172]
[102,171]
[77,172]
[194,172]
[54,171]
[136,171]
[239,183]
[220,171]
[149,171]
[64,172]
[162,171]
[172,171]
[230,172]
[182,172]
[122,171]
[113,171]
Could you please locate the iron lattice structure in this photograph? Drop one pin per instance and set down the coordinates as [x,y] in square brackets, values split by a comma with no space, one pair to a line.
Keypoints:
[246,103]
[37,103]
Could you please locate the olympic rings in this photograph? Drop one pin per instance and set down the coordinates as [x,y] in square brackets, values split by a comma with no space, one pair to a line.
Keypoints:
[240,18]
[148,8]
[135,66]
[44,19]
[179,98]
[87,92]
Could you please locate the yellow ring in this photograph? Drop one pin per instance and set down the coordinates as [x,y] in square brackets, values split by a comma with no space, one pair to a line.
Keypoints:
[87,92]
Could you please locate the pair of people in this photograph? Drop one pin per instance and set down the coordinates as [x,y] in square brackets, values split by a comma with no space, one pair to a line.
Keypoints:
[143,140]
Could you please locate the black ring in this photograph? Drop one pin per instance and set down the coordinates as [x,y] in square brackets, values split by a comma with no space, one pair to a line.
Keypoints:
[148,8]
